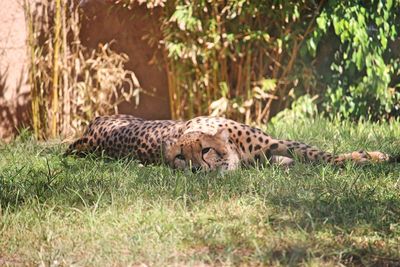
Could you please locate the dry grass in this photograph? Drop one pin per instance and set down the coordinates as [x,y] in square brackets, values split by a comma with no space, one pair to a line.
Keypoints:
[70,84]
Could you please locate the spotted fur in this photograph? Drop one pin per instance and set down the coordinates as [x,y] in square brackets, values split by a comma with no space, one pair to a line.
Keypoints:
[207,143]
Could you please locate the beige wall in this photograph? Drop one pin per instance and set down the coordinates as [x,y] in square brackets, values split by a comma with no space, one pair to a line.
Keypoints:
[13,86]
[127,30]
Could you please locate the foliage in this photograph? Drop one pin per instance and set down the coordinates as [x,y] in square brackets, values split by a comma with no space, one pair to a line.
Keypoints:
[131,3]
[363,66]
[97,212]
[237,58]
[303,108]
[247,60]
[70,84]
[250,59]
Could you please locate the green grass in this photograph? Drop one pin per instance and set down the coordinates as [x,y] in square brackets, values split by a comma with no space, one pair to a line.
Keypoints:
[63,211]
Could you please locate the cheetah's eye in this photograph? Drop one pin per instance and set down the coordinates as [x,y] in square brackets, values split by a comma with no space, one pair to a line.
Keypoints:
[205,150]
[180,157]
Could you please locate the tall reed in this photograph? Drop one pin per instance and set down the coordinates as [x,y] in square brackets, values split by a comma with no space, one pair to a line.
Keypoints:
[69,83]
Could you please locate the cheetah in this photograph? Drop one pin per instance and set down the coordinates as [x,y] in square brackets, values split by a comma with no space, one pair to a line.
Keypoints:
[202,143]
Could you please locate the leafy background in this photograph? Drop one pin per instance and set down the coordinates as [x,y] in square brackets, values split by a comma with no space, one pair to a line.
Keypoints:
[247,60]
[258,56]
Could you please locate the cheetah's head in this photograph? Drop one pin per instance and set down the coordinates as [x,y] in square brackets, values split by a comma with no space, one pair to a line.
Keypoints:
[202,151]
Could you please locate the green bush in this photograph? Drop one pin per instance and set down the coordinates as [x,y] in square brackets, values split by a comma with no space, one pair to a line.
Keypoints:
[237,58]
[363,66]
[250,59]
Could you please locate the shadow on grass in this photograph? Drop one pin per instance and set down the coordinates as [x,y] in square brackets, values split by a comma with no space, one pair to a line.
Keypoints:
[73,180]
[319,197]
[344,200]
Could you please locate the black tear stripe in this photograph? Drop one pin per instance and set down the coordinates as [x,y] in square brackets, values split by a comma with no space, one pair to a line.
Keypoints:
[202,157]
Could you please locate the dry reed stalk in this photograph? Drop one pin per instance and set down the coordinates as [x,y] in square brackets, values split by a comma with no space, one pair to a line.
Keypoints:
[56,63]
[32,72]
[70,84]
[66,98]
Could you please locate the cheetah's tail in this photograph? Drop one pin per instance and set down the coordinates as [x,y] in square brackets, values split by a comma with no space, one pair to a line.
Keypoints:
[363,157]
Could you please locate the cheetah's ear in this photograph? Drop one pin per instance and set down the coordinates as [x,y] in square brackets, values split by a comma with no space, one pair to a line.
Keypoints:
[223,134]
[167,143]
